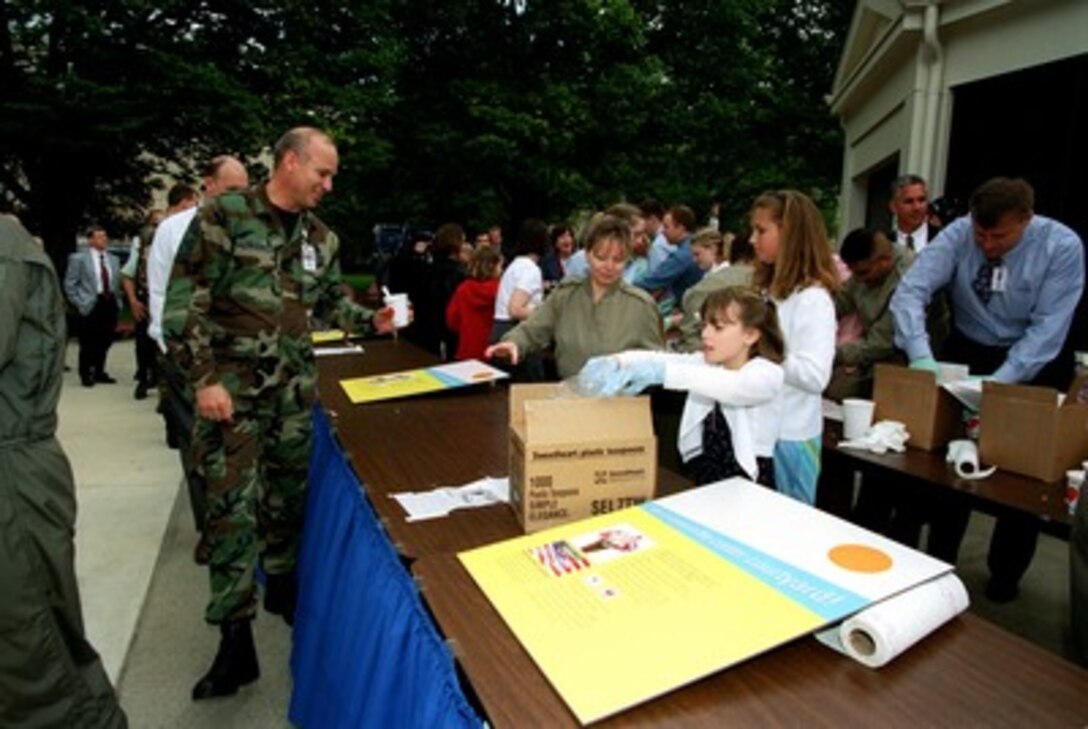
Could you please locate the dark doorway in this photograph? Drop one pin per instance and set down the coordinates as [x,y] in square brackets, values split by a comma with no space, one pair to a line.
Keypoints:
[878,193]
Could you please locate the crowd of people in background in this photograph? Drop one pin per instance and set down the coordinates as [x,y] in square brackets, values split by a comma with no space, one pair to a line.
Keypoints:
[944,281]
[754,324]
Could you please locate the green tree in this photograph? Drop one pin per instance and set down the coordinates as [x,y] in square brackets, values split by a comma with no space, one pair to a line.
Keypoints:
[744,110]
[95,94]
[506,110]
[99,94]
[477,111]
[503,114]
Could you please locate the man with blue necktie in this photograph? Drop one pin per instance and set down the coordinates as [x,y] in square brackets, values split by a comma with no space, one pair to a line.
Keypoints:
[93,285]
[1014,280]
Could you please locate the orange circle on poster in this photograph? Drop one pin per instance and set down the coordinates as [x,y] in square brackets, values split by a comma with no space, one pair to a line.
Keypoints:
[859,558]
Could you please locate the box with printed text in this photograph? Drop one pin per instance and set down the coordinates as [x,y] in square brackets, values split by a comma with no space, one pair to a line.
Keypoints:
[1032,431]
[575,457]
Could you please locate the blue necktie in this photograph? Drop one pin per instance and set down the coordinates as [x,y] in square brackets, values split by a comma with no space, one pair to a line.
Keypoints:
[983,283]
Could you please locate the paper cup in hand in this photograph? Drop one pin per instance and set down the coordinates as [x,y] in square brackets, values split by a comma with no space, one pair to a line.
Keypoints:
[857,417]
[399,304]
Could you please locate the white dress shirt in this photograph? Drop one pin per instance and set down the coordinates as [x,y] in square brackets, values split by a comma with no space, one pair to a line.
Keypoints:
[160,261]
[915,240]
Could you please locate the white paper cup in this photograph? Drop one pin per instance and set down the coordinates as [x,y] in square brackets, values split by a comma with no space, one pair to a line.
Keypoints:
[1074,482]
[857,417]
[399,304]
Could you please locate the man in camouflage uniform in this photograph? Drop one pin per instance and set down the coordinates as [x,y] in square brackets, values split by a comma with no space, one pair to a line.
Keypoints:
[50,676]
[251,270]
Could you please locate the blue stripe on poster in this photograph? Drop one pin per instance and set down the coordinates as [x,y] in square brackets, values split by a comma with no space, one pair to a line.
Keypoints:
[818,595]
[445,378]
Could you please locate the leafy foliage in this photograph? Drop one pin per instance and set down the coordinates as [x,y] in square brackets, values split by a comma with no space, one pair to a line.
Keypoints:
[479,111]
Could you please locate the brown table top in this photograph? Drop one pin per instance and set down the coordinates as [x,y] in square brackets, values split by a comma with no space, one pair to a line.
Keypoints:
[968,673]
[1030,495]
[426,441]
[419,443]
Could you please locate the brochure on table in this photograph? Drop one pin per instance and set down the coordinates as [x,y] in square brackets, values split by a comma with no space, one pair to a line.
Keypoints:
[620,608]
[419,381]
[326,336]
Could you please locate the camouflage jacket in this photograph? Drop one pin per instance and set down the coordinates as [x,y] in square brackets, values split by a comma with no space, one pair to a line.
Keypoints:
[243,289]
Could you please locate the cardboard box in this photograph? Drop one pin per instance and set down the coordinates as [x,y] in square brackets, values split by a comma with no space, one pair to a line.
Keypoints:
[573,457]
[1023,429]
[932,416]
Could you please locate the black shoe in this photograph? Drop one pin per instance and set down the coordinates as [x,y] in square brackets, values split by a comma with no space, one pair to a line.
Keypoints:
[105,379]
[172,440]
[235,662]
[87,381]
[281,595]
[141,392]
[1000,592]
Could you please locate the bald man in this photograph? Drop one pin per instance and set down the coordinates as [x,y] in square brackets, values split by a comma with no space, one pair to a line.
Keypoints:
[252,267]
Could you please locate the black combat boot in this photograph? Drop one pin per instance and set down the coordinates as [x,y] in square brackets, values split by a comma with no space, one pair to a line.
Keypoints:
[235,663]
[280,596]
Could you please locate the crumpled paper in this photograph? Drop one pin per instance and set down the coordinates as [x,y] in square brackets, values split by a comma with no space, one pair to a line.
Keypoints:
[887,435]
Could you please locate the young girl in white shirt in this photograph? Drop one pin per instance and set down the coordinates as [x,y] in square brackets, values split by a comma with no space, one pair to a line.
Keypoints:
[730,418]
[795,268]
[521,288]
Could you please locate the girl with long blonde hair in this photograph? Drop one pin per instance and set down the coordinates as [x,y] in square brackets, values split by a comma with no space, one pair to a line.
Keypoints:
[795,269]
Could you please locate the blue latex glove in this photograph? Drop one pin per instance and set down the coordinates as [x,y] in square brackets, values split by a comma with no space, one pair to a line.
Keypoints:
[640,375]
[601,376]
[927,364]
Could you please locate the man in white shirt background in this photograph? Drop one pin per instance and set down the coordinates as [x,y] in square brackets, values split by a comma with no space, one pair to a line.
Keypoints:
[222,174]
[910,207]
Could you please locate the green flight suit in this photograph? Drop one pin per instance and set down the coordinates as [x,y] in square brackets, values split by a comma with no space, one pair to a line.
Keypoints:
[691,325]
[624,318]
[50,676]
[237,313]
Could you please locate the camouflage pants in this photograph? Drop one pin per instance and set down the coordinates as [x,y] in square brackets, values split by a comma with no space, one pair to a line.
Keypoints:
[255,468]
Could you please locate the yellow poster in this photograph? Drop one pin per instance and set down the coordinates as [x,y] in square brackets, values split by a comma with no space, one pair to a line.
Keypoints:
[419,381]
[623,607]
[396,384]
[329,335]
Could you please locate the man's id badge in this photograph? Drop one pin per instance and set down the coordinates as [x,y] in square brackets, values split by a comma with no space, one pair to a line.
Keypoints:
[1000,279]
[309,258]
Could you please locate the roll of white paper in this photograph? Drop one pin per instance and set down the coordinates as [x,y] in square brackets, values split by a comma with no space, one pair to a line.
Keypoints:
[963,454]
[878,634]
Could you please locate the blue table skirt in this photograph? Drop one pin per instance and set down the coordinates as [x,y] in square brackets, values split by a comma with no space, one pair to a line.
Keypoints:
[366,653]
